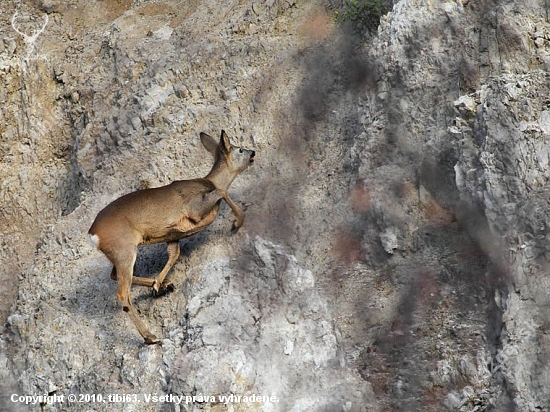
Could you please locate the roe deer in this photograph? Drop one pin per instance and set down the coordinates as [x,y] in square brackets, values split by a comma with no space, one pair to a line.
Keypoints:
[166,214]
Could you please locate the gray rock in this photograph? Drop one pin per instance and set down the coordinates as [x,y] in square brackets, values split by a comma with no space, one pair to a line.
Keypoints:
[430,138]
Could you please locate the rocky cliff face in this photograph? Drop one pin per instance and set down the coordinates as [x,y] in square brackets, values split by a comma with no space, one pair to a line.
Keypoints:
[394,252]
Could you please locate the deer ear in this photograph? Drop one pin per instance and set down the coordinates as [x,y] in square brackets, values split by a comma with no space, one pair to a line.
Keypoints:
[224,142]
[209,143]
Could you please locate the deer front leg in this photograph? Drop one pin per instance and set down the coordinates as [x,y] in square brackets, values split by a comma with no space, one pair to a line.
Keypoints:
[239,214]
[209,201]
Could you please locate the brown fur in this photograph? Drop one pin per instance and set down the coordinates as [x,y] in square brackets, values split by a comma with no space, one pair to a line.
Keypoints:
[166,214]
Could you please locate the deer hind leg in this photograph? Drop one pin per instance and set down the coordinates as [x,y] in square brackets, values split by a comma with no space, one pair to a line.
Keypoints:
[124,265]
[173,254]
[136,280]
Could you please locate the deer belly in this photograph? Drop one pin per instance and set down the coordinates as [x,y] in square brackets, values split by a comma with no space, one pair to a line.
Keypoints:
[184,227]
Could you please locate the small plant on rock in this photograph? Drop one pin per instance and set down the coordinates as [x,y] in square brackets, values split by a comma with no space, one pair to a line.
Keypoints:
[362,15]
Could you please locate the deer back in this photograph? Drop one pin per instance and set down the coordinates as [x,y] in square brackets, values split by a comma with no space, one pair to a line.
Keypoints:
[160,214]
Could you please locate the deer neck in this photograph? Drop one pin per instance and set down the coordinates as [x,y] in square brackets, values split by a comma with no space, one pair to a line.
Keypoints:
[221,177]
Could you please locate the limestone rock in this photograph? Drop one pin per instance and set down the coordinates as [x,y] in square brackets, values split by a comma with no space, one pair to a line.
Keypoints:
[395,247]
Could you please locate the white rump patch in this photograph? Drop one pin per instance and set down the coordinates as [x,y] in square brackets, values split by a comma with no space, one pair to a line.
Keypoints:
[95,240]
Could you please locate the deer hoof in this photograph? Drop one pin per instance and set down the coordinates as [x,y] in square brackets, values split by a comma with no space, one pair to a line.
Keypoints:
[236,226]
[164,289]
[152,340]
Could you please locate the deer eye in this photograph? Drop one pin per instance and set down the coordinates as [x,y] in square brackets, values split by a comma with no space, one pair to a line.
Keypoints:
[240,150]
